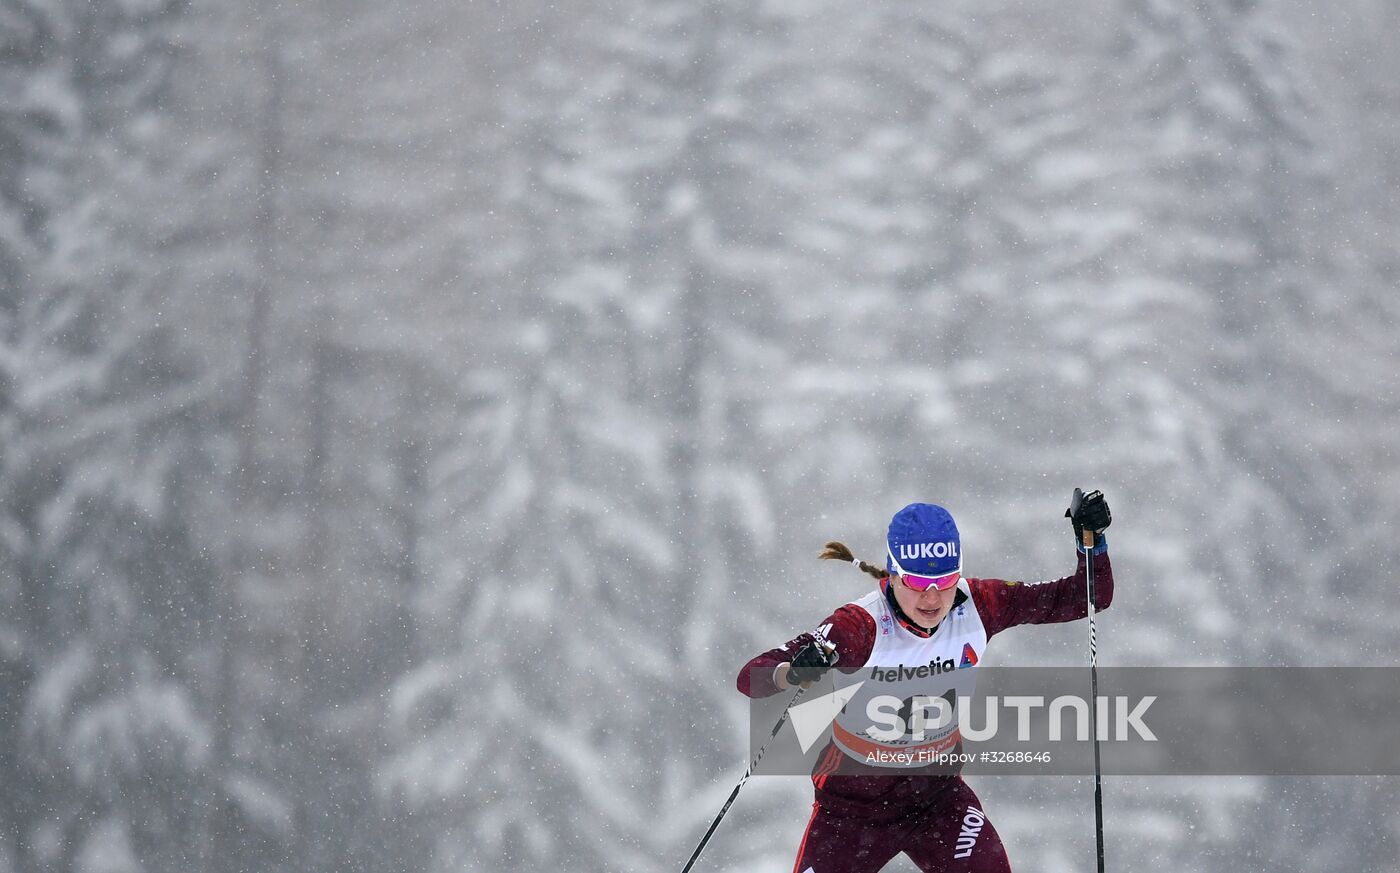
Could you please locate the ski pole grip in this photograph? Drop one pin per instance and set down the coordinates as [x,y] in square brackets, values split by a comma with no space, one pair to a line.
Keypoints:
[1086,536]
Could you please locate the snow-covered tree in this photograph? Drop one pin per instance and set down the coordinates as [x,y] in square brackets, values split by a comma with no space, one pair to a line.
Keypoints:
[104,736]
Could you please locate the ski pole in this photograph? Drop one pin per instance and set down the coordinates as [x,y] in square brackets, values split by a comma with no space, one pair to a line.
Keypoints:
[1094,689]
[758,756]
[694,856]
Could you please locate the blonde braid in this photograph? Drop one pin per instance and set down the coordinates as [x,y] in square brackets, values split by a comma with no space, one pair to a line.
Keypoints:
[835,551]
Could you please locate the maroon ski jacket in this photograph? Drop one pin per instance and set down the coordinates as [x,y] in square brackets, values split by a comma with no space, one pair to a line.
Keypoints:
[843,785]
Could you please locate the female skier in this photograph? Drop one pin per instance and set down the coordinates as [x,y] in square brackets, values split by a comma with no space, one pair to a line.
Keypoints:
[924,616]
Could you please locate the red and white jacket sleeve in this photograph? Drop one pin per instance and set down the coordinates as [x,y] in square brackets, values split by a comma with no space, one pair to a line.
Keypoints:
[1006,604]
[850,629]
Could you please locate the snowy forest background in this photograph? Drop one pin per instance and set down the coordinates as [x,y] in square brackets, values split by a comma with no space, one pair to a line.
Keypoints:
[413,414]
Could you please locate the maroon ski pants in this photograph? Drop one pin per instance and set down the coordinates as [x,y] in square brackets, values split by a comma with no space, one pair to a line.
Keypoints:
[951,836]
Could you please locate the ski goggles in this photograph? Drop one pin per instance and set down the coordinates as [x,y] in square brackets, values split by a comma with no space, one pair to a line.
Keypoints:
[924,583]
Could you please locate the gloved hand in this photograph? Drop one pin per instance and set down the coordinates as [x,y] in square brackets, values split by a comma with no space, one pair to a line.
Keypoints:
[1088,511]
[811,662]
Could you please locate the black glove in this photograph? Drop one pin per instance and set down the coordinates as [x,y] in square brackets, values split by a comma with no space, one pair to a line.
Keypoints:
[1088,511]
[810,662]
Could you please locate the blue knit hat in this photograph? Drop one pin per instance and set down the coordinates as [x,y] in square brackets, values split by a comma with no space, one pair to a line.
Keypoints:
[923,540]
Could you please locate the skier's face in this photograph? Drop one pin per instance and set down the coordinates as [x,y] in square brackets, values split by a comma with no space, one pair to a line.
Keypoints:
[926,608]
